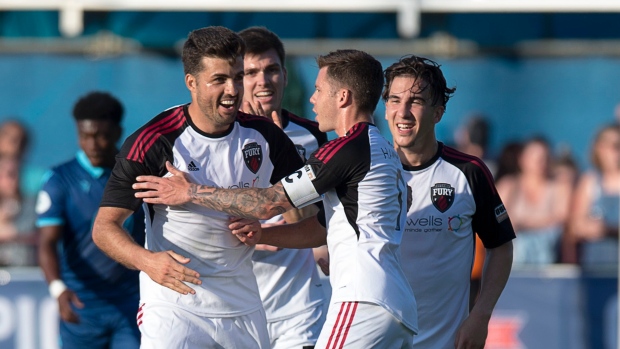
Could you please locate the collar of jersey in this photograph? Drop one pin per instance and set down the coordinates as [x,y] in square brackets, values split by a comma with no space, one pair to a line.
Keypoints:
[82,159]
[428,163]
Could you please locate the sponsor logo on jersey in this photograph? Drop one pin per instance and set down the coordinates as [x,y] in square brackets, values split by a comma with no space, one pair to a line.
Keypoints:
[301,151]
[500,213]
[253,156]
[192,166]
[442,196]
[455,223]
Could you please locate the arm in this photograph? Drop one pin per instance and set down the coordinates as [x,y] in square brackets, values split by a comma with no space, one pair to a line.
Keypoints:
[256,203]
[581,224]
[49,236]
[473,332]
[165,267]
[307,233]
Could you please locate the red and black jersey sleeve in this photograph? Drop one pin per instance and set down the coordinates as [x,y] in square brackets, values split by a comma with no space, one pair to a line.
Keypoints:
[145,152]
[490,221]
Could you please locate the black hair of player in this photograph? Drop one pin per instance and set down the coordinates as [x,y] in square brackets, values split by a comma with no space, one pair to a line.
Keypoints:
[214,42]
[422,68]
[357,71]
[98,105]
[260,40]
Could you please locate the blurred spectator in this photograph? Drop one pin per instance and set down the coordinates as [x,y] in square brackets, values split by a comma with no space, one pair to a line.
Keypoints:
[14,139]
[473,138]
[537,204]
[508,160]
[17,217]
[595,209]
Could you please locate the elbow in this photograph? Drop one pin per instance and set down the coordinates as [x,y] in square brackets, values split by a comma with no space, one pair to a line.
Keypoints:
[97,233]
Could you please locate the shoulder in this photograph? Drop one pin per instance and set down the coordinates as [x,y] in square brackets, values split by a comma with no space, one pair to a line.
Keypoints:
[354,144]
[168,124]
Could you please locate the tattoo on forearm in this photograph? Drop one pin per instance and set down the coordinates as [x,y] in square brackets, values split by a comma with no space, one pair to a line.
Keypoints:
[257,203]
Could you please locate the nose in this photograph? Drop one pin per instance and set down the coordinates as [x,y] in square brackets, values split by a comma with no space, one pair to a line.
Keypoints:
[403,110]
[313,98]
[233,88]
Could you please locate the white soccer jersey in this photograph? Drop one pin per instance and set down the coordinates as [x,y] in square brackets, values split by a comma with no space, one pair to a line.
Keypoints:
[254,153]
[288,280]
[453,196]
[365,200]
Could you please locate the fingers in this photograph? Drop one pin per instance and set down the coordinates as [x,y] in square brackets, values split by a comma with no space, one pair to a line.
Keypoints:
[145,180]
[175,171]
[77,302]
[276,119]
[177,257]
[263,247]
[324,264]
[247,108]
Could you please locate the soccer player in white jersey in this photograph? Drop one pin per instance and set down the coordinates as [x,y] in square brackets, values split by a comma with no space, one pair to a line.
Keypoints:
[197,288]
[288,279]
[454,197]
[360,178]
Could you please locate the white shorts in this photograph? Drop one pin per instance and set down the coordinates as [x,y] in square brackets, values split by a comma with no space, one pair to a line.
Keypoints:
[363,325]
[165,326]
[298,331]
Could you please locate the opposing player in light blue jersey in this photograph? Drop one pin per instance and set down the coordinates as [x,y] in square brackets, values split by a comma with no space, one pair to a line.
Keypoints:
[454,197]
[359,177]
[97,297]
[288,280]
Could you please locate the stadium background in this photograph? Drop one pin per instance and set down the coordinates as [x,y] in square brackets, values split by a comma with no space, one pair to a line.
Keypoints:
[550,72]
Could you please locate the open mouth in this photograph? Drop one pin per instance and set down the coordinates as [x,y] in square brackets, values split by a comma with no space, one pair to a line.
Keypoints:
[404,127]
[228,103]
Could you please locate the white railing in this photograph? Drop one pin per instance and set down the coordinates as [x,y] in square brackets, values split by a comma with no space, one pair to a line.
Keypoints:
[408,11]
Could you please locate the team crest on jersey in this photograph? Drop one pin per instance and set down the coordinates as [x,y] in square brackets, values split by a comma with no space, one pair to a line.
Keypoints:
[253,156]
[442,196]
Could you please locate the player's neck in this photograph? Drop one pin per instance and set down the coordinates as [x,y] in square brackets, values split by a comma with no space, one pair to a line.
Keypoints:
[350,118]
[418,154]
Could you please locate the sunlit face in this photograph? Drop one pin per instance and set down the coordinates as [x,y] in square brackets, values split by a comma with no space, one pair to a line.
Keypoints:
[325,102]
[608,150]
[9,177]
[98,139]
[216,93]
[11,138]
[410,115]
[264,81]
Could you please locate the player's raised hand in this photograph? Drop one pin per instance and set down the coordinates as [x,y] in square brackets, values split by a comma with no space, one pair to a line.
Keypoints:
[173,190]
[167,269]
[248,109]
[246,230]
[65,300]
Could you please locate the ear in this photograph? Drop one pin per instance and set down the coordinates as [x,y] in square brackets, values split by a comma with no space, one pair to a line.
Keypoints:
[439,110]
[190,82]
[344,97]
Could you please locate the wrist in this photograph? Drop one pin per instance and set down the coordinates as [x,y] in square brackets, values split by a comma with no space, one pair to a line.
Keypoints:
[56,288]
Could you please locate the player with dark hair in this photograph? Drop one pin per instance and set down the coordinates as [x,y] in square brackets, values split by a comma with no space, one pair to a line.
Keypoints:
[288,280]
[97,297]
[360,179]
[197,288]
[454,197]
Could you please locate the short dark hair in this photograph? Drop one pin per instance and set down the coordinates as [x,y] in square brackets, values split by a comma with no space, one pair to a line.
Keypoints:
[98,105]
[420,68]
[215,42]
[357,71]
[260,40]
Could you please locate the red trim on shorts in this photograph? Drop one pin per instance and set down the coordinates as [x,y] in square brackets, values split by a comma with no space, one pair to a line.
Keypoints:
[343,322]
[140,314]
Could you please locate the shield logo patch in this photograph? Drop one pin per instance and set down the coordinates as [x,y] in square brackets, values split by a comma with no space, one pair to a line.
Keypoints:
[442,196]
[253,156]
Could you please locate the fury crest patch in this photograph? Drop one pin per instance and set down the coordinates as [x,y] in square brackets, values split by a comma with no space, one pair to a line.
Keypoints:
[253,156]
[442,196]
